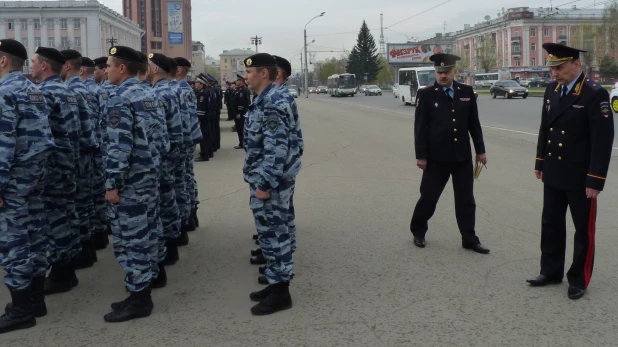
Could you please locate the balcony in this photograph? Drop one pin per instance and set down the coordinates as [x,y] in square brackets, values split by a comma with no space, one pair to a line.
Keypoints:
[562,37]
[516,53]
[515,38]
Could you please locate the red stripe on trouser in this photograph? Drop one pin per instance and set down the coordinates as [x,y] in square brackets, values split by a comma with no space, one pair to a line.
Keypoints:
[592,220]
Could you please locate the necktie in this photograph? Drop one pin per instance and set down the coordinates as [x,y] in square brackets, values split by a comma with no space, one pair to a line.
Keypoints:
[448,94]
[564,92]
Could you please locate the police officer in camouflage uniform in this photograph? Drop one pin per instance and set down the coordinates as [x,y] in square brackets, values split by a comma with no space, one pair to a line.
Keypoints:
[131,181]
[99,221]
[88,146]
[59,194]
[26,141]
[272,161]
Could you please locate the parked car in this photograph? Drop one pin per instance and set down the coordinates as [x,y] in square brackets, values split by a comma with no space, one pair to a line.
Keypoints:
[293,92]
[396,91]
[362,88]
[373,90]
[538,82]
[613,97]
[322,90]
[313,90]
[525,82]
[508,89]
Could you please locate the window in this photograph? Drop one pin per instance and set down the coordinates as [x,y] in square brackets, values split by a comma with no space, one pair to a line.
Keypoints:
[78,42]
[533,32]
[50,24]
[533,47]
[533,62]
[51,42]
[37,41]
[37,24]
[226,60]
[24,24]
[517,62]
[25,43]
[64,43]
[63,24]
[11,25]
[546,32]
[561,32]
[574,31]
[77,23]
[516,33]
[156,45]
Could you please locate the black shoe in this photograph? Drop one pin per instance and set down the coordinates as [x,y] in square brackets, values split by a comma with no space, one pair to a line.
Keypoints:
[478,248]
[61,279]
[188,226]
[202,158]
[575,293]
[100,240]
[21,315]
[262,279]
[255,236]
[37,298]
[172,253]
[161,280]
[182,240]
[262,269]
[542,280]
[233,129]
[419,241]
[108,231]
[238,147]
[92,250]
[256,252]
[86,257]
[279,299]
[196,221]
[117,306]
[211,155]
[258,260]
[257,242]
[139,305]
[260,295]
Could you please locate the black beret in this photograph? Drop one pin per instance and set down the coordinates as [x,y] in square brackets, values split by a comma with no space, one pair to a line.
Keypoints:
[100,62]
[14,47]
[125,53]
[260,59]
[239,78]
[87,62]
[560,54]
[173,64]
[51,54]
[284,64]
[160,60]
[70,54]
[444,62]
[143,56]
[182,62]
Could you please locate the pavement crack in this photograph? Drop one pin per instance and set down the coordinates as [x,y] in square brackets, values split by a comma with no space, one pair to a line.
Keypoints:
[224,195]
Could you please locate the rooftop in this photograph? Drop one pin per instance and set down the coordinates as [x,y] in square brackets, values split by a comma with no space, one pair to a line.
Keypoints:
[238,51]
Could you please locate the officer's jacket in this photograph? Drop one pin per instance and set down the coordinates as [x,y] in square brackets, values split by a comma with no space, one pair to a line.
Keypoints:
[441,127]
[172,112]
[297,132]
[85,101]
[241,100]
[202,104]
[576,136]
[181,100]
[189,96]
[95,106]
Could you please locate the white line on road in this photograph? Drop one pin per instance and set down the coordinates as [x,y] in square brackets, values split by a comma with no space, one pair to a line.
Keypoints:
[403,113]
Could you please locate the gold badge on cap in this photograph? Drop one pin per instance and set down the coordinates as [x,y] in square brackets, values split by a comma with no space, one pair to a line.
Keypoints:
[112,51]
[442,64]
[36,50]
[150,55]
[249,62]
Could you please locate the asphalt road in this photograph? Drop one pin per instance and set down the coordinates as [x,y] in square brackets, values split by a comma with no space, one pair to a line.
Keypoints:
[360,282]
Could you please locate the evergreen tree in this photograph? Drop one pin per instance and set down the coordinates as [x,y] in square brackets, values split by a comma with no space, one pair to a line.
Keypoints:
[364,57]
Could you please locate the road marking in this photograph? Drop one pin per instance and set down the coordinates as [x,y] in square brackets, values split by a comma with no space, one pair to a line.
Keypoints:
[407,114]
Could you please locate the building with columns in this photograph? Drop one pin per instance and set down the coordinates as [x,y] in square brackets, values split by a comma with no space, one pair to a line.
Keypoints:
[86,26]
[517,36]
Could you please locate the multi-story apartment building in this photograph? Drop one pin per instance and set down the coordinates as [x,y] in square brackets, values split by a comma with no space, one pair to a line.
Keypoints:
[86,26]
[198,58]
[232,63]
[515,39]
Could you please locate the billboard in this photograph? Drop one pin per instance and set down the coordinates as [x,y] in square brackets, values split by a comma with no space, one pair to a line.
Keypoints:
[175,24]
[411,53]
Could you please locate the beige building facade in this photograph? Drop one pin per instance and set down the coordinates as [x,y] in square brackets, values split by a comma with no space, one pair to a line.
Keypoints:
[232,63]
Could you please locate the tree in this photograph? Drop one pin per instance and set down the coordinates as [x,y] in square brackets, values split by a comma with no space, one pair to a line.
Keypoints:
[213,70]
[608,67]
[364,58]
[386,75]
[487,56]
[586,37]
[325,68]
[610,28]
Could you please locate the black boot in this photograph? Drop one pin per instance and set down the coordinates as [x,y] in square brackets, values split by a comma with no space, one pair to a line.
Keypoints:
[172,254]
[188,226]
[262,280]
[256,252]
[37,298]
[161,280]
[92,250]
[20,316]
[262,269]
[182,240]
[100,240]
[84,259]
[138,305]
[255,236]
[279,299]
[258,260]
[196,221]
[61,279]
[108,230]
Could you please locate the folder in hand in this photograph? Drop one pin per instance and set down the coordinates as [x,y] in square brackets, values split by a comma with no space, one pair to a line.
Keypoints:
[478,169]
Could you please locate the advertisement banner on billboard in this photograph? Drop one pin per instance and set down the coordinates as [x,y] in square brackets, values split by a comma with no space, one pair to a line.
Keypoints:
[410,53]
[175,24]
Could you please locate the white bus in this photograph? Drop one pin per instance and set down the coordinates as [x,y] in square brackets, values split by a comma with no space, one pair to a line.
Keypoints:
[342,84]
[486,80]
[411,79]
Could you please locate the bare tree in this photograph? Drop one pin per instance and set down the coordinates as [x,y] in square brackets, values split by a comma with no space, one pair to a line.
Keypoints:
[586,37]
[486,54]
[610,28]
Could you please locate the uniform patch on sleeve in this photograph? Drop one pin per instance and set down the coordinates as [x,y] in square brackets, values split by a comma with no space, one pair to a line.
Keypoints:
[71,100]
[149,105]
[36,98]
[114,118]
[464,99]
[201,99]
[272,122]
[605,110]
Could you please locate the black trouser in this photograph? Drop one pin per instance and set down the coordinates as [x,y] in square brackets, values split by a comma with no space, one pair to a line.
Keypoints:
[216,131]
[434,179]
[206,143]
[553,234]
[240,125]
[230,114]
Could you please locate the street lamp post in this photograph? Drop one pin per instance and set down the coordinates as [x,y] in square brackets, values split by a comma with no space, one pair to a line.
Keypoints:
[256,41]
[307,65]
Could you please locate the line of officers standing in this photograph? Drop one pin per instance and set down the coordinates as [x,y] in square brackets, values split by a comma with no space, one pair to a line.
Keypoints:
[99,146]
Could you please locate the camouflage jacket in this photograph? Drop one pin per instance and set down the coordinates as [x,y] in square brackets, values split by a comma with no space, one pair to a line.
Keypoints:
[173,117]
[96,106]
[160,137]
[187,138]
[297,132]
[191,100]
[88,141]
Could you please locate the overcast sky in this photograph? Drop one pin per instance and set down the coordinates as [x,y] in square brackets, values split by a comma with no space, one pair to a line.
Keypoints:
[229,24]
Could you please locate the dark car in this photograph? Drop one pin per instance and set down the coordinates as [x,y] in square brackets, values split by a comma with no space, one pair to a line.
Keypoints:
[539,82]
[508,89]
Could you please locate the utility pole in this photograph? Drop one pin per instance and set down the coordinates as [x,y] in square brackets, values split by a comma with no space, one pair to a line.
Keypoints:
[306,64]
[382,49]
[111,41]
[256,41]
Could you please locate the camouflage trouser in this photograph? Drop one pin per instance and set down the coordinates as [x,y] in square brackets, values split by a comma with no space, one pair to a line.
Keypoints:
[156,223]
[22,228]
[292,222]
[271,222]
[180,184]
[99,221]
[170,215]
[83,199]
[59,200]
[135,241]
[191,182]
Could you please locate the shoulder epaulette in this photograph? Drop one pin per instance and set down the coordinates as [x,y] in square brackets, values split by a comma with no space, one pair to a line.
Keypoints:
[592,84]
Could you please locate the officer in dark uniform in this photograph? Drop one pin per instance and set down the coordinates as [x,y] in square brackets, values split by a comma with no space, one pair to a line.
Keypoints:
[241,104]
[203,100]
[226,99]
[217,126]
[213,107]
[446,112]
[572,159]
